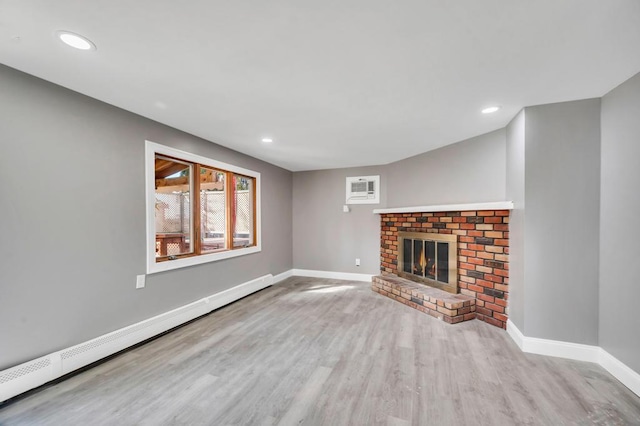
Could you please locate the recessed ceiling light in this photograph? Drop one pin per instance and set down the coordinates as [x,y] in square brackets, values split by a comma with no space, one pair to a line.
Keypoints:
[490,109]
[75,40]
[267,140]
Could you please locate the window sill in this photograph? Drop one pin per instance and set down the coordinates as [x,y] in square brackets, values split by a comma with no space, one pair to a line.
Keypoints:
[155,267]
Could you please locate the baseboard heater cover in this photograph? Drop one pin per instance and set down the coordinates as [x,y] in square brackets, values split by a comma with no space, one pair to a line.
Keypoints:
[34,373]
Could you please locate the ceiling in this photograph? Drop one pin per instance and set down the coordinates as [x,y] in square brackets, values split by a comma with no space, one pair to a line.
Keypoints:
[334,83]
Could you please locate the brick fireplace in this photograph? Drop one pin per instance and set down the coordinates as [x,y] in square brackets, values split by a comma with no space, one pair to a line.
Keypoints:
[482,262]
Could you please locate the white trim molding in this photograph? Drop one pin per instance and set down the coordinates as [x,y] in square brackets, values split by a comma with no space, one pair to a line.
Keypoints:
[620,371]
[151,149]
[282,276]
[555,348]
[494,205]
[31,374]
[332,275]
[577,352]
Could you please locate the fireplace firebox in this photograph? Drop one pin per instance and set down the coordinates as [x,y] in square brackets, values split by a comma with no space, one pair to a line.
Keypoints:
[429,259]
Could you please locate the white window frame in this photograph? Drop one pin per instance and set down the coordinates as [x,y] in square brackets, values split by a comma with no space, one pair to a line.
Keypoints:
[151,149]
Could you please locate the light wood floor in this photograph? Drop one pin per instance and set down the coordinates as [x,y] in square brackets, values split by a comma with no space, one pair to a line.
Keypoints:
[326,352]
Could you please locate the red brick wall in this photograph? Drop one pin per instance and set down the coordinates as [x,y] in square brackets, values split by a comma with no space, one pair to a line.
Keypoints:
[483,253]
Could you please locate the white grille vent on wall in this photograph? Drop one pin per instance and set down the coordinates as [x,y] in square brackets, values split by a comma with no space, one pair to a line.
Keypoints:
[25,369]
[103,346]
[23,377]
[363,190]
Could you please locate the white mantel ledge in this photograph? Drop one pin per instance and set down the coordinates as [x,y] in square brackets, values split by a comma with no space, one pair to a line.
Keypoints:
[494,205]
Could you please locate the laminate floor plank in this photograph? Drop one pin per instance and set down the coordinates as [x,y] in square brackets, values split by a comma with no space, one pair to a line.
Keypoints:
[328,352]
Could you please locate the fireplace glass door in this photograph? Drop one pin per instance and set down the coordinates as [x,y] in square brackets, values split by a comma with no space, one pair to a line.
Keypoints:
[429,258]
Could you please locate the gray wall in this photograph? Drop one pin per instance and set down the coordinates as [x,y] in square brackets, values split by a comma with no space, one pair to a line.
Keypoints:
[327,239]
[619,232]
[73,220]
[466,172]
[515,193]
[73,217]
[324,237]
[562,190]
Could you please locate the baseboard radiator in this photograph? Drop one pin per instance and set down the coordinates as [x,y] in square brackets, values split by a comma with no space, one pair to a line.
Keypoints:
[31,374]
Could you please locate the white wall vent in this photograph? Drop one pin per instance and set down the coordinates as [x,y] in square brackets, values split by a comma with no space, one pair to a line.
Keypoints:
[363,190]
[23,377]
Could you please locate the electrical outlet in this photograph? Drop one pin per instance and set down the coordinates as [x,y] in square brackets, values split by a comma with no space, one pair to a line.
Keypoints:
[140,281]
[357,262]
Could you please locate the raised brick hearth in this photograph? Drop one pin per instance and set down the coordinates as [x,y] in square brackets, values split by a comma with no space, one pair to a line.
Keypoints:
[451,308]
[483,253]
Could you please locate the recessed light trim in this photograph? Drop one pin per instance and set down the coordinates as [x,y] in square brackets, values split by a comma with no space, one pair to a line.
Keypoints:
[491,109]
[75,40]
[267,140]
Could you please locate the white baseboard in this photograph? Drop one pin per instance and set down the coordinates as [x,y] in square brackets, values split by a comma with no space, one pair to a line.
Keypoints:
[620,371]
[515,334]
[283,276]
[555,348]
[31,374]
[332,275]
[578,352]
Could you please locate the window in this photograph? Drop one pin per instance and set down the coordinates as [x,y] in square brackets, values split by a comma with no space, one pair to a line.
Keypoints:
[198,209]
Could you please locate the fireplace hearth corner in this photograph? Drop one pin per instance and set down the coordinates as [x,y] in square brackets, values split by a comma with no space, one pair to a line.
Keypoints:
[450,308]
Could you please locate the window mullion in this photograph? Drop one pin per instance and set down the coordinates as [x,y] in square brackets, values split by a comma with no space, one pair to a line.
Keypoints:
[230,192]
[253,211]
[195,202]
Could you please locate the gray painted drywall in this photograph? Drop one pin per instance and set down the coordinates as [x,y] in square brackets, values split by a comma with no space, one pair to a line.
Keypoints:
[72,204]
[326,238]
[562,190]
[466,172]
[619,233]
[73,220]
[515,193]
